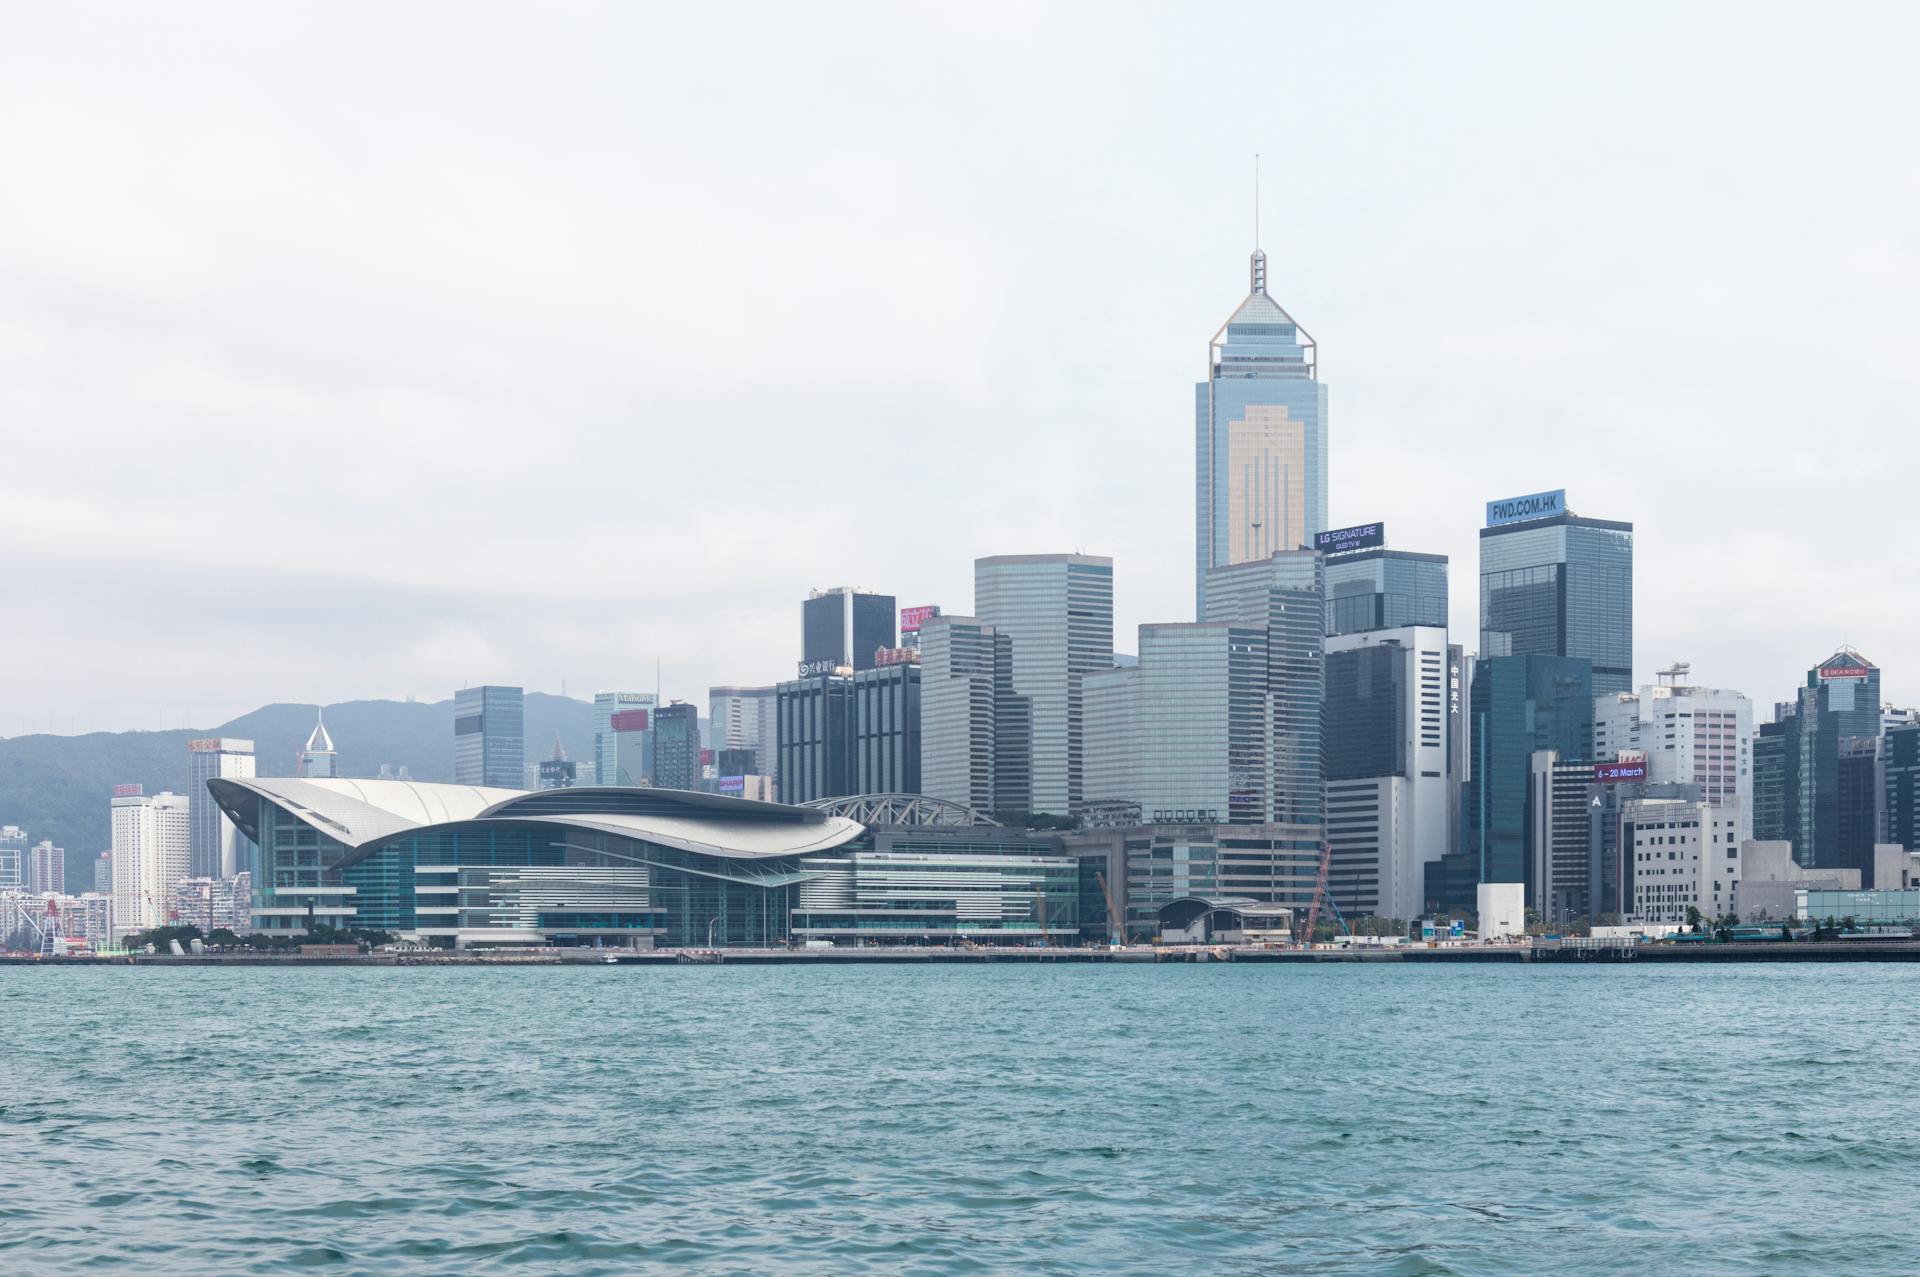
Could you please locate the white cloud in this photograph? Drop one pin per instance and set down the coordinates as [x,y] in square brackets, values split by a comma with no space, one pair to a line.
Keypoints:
[385,350]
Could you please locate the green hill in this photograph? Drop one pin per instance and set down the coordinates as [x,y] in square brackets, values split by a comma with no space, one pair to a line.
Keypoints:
[59,787]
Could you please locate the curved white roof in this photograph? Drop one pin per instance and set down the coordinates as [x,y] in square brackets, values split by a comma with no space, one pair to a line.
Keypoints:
[359,811]
[364,812]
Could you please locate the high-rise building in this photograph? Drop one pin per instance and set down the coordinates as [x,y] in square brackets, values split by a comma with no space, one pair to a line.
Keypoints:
[1260,439]
[489,744]
[1284,594]
[151,849]
[1797,761]
[886,728]
[1182,736]
[1555,584]
[13,858]
[974,728]
[1382,589]
[219,848]
[1900,785]
[557,771]
[1518,706]
[746,718]
[103,873]
[842,628]
[47,868]
[1393,772]
[318,758]
[1056,610]
[1565,871]
[815,738]
[1686,734]
[610,765]
[676,746]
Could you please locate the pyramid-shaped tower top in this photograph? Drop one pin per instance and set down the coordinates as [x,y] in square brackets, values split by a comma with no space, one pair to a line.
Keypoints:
[319,742]
[1260,338]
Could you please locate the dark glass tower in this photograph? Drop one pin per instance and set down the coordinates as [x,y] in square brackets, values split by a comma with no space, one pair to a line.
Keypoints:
[1560,586]
[843,626]
[1384,590]
[676,746]
[1519,704]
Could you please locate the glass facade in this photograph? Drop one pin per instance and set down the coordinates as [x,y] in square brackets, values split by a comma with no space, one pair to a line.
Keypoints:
[816,744]
[1260,440]
[1268,864]
[1900,756]
[616,762]
[1384,590]
[1366,713]
[1560,586]
[1056,611]
[974,728]
[1811,784]
[1518,705]
[886,730]
[1182,736]
[845,627]
[512,881]
[1285,595]
[676,746]
[907,886]
[489,746]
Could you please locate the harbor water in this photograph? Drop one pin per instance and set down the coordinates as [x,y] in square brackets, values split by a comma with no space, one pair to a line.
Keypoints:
[952,1120]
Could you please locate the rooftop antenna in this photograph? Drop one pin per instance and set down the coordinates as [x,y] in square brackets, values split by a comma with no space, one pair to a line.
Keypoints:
[1259,281]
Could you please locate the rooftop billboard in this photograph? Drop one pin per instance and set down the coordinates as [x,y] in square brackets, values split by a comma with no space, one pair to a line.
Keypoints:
[1365,536]
[1535,505]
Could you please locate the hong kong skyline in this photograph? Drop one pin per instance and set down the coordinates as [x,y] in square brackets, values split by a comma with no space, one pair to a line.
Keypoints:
[468,363]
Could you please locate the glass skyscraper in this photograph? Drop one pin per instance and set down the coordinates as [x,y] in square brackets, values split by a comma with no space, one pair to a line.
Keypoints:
[844,627]
[609,768]
[489,745]
[217,849]
[1385,590]
[1518,705]
[1285,596]
[1260,439]
[1057,612]
[975,731]
[1798,762]
[1560,586]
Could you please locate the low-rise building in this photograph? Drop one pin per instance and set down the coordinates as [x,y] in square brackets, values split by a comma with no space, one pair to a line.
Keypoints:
[1681,855]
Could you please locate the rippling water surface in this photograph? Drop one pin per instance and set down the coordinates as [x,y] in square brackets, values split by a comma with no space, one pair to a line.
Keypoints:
[942,1120]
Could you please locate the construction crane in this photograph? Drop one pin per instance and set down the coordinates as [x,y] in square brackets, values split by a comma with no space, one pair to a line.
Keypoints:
[1116,921]
[1319,894]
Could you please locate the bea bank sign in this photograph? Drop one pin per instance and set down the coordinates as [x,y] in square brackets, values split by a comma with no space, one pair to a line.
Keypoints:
[1538,505]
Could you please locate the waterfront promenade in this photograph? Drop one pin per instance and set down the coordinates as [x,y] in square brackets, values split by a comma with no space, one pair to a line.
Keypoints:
[1537,953]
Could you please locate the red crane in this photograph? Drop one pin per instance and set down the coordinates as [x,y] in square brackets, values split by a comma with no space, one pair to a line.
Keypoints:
[1319,892]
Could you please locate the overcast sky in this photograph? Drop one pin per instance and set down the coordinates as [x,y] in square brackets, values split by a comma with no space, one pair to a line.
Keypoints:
[369,350]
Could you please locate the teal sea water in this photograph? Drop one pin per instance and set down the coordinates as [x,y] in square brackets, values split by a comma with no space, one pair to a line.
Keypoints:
[941,1120]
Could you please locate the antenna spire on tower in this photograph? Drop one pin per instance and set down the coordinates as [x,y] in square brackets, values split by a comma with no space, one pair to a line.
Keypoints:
[1257,283]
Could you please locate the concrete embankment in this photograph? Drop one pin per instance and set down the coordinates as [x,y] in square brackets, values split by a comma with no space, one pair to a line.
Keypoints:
[1549,953]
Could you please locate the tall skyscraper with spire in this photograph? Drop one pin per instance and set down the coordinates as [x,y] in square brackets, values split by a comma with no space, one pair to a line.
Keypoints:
[1260,439]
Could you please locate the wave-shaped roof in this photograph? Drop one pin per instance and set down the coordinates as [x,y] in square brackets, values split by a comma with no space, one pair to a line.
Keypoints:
[365,814]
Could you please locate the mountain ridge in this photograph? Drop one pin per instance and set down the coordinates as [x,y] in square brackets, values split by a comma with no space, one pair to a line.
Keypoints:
[60,787]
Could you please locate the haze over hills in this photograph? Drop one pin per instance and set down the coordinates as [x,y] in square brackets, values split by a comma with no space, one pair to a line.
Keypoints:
[59,787]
